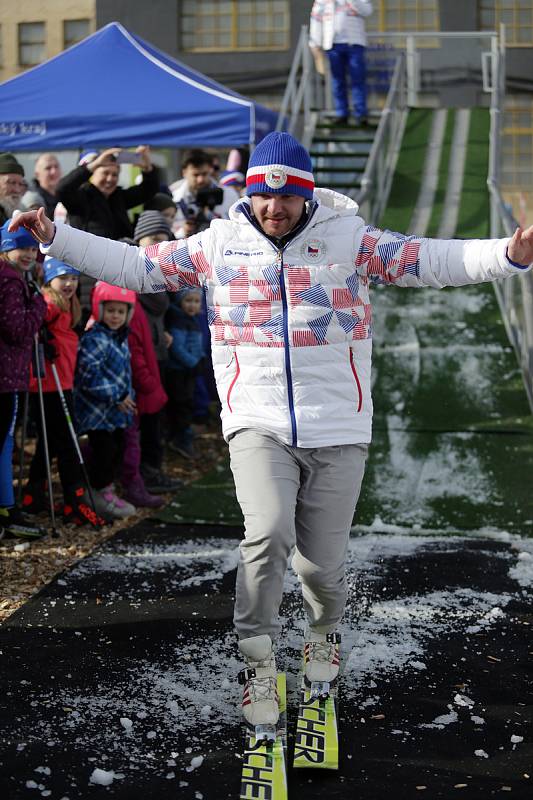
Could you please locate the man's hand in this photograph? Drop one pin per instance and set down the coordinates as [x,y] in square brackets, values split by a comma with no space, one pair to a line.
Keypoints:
[520,248]
[37,223]
[127,406]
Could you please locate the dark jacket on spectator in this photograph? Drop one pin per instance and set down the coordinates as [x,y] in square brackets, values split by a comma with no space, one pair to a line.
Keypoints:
[90,210]
[155,306]
[21,316]
[49,200]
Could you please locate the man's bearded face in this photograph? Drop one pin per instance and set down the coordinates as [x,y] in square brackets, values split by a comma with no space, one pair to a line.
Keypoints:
[12,187]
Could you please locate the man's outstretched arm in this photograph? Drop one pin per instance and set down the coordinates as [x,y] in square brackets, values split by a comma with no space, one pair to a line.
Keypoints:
[165,266]
[389,257]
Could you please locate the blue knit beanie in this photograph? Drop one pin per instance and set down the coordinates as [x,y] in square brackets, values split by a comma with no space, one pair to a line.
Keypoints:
[15,240]
[280,165]
[53,267]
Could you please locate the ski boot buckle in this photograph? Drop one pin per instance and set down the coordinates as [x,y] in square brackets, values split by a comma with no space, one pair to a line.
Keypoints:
[320,690]
[265,733]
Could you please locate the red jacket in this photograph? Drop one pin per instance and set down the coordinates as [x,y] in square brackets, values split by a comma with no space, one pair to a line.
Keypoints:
[149,393]
[65,341]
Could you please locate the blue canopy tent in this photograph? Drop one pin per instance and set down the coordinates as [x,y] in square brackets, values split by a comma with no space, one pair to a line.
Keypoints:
[113,88]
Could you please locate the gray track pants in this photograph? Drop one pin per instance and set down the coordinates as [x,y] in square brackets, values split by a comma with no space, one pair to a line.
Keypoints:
[293,497]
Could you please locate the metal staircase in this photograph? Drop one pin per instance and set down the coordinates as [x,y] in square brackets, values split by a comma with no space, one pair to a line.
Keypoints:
[339,155]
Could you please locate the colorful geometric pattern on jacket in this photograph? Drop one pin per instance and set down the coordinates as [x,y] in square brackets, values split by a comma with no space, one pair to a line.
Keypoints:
[245,303]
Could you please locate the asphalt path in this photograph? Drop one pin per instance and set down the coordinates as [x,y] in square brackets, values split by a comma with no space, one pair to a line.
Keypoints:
[124,669]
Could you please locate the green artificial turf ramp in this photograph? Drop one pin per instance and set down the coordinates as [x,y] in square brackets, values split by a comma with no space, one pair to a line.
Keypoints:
[474,210]
[442,362]
[409,169]
[440,194]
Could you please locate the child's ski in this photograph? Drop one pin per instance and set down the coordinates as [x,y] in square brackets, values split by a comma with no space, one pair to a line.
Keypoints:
[317,742]
[264,768]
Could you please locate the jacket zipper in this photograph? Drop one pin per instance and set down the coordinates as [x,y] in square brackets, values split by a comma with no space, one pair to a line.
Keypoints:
[279,261]
[235,377]
[356,376]
[288,369]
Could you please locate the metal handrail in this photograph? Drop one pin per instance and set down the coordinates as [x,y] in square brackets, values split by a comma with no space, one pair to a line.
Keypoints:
[377,177]
[297,96]
[514,295]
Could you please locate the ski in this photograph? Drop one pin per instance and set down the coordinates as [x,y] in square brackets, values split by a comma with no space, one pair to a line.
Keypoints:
[264,768]
[317,738]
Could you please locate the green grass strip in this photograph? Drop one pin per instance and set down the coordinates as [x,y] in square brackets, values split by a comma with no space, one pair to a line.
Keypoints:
[444,167]
[409,169]
[474,209]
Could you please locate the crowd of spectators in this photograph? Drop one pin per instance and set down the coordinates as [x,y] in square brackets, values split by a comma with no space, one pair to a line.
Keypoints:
[131,370]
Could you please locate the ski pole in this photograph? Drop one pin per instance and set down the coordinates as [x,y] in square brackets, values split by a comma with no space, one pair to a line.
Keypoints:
[38,371]
[74,440]
[22,446]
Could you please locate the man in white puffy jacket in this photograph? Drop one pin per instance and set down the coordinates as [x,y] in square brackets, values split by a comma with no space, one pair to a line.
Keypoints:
[338,28]
[287,287]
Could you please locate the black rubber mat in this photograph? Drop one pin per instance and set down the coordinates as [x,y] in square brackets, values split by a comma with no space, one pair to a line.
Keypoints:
[123,670]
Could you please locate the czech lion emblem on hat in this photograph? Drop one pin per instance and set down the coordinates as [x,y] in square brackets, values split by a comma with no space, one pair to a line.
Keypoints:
[276,178]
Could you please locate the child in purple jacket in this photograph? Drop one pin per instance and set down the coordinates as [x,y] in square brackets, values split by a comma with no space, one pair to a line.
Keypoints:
[22,312]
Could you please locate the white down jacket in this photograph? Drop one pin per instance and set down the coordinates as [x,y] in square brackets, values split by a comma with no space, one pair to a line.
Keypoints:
[338,21]
[291,329]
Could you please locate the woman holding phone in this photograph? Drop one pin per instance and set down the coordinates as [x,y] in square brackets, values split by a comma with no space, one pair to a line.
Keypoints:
[94,200]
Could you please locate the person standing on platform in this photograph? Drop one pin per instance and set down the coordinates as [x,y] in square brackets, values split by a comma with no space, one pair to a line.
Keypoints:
[338,28]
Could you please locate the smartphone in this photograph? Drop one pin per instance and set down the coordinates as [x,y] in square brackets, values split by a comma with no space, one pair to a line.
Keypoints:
[127,157]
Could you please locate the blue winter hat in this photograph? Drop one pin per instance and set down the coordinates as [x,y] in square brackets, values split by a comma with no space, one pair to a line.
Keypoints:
[15,240]
[280,165]
[232,178]
[53,267]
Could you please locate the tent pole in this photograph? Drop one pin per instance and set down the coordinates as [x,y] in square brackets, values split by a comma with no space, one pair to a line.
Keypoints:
[252,128]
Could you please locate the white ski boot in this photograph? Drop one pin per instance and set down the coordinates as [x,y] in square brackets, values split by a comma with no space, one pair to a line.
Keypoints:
[260,703]
[321,657]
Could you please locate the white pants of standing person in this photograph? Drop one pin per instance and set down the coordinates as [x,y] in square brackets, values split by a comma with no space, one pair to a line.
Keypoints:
[293,497]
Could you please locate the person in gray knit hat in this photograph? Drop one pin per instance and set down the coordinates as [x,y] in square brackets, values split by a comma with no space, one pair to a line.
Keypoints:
[287,283]
[12,186]
[151,228]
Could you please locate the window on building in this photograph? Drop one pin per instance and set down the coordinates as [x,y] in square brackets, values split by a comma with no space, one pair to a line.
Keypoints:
[516,15]
[74,30]
[399,16]
[517,166]
[234,25]
[32,43]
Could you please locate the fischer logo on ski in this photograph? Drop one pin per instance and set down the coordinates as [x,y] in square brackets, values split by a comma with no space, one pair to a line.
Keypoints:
[316,744]
[264,769]
[257,772]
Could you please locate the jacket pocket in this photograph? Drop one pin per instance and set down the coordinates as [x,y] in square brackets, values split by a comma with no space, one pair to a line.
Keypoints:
[357,381]
[234,380]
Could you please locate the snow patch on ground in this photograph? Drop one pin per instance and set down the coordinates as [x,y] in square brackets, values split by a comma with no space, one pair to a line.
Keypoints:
[185,691]
[522,571]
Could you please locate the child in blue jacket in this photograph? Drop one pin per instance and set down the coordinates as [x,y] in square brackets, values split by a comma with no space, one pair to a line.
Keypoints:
[184,362]
[103,394]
